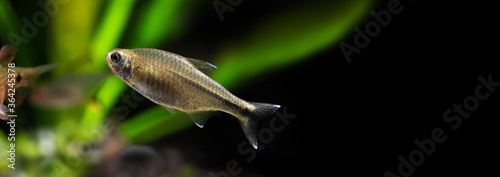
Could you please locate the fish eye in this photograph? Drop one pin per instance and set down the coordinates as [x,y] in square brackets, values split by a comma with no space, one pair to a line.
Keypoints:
[18,78]
[115,57]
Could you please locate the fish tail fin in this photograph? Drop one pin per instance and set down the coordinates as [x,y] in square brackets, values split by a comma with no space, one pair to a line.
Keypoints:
[252,116]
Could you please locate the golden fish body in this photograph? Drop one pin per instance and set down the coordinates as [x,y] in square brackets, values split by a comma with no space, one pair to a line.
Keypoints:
[176,82]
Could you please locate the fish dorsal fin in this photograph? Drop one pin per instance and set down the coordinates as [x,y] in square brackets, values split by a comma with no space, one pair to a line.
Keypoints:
[6,55]
[200,118]
[169,109]
[201,65]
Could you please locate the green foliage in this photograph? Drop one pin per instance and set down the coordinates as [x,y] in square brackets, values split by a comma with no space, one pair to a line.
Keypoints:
[286,38]
[140,128]
[110,30]
[160,21]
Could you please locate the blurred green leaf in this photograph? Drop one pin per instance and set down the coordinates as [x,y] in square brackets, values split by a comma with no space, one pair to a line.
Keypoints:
[105,98]
[107,37]
[65,30]
[110,91]
[159,20]
[26,145]
[4,147]
[110,30]
[287,38]
[10,24]
[155,122]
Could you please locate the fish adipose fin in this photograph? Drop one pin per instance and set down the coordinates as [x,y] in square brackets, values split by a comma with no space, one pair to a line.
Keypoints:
[203,66]
[250,119]
[200,118]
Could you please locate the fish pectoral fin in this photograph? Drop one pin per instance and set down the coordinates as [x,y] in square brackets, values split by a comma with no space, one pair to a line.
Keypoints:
[169,109]
[200,118]
[203,66]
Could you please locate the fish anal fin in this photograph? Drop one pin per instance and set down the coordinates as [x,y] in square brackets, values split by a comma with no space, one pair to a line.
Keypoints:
[203,66]
[201,117]
[169,109]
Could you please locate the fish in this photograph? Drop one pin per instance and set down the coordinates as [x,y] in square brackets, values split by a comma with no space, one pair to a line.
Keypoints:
[180,83]
[67,91]
[22,77]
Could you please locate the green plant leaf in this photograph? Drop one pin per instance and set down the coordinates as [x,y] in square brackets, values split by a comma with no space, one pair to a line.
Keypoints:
[106,97]
[160,19]
[110,30]
[155,123]
[287,38]
[64,30]
[11,33]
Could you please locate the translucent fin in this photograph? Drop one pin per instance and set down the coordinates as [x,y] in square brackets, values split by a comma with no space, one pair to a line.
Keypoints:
[203,66]
[171,110]
[26,77]
[200,118]
[6,55]
[44,68]
[250,119]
